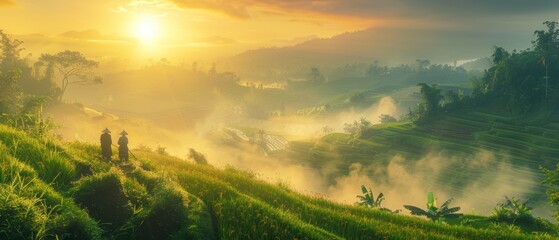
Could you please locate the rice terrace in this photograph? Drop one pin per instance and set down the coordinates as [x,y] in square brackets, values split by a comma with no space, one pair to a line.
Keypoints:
[247,119]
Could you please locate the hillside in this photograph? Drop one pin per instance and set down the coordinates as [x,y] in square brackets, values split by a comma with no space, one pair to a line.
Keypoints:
[477,155]
[55,190]
[387,45]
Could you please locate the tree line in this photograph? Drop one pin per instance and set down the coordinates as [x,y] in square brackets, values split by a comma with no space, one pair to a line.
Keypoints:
[25,86]
[524,82]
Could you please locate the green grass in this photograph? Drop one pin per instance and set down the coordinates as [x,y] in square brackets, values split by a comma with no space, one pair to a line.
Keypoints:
[162,197]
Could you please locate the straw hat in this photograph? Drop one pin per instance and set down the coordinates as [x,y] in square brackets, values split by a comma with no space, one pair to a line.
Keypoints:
[123,133]
[106,130]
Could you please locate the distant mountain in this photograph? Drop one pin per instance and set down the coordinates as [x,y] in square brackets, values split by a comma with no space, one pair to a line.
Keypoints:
[387,45]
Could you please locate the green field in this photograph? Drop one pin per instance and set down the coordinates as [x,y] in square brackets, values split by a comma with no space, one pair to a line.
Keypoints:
[58,190]
[473,147]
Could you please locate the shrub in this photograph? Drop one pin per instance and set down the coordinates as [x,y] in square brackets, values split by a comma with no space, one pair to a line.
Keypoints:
[385,118]
[198,157]
[167,217]
[433,212]
[512,211]
[104,198]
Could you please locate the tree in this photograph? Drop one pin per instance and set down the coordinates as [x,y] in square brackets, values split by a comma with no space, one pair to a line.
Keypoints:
[9,58]
[552,180]
[357,127]
[499,54]
[73,67]
[422,64]
[315,75]
[433,212]
[327,130]
[9,91]
[431,96]
[385,118]
[546,44]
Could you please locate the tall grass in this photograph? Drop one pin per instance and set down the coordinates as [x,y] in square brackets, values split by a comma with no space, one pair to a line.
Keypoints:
[21,218]
[50,166]
[222,190]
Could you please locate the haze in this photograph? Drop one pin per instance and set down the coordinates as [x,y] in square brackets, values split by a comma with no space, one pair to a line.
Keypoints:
[246,82]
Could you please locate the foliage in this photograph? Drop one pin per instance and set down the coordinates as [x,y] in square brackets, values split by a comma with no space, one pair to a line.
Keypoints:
[512,210]
[326,130]
[433,212]
[104,197]
[315,76]
[385,118]
[207,202]
[50,165]
[167,215]
[21,218]
[552,180]
[546,46]
[73,67]
[431,97]
[9,91]
[30,118]
[10,50]
[523,80]
[357,127]
[357,98]
[198,157]
[368,198]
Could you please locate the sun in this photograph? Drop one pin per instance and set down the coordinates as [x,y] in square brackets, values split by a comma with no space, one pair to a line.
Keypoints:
[147,30]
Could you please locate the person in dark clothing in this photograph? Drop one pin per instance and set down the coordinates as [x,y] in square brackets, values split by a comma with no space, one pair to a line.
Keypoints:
[123,146]
[106,142]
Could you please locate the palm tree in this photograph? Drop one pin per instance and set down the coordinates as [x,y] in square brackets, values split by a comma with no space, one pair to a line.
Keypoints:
[545,44]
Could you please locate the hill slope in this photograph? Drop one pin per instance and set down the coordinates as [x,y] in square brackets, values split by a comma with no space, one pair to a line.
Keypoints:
[477,155]
[63,190]
[388,45]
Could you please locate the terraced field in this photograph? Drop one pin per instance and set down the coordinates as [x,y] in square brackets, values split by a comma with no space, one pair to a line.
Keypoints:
[57,190]
[470,148]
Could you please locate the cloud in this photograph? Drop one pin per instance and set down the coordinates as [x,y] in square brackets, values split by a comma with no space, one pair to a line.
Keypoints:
[92,35]
[158,7]
[375,8]
[216,40]
[237,9]
[7,3]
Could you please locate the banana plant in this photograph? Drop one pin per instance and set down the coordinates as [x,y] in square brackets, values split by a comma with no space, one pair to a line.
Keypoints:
[368,199]
[433,212]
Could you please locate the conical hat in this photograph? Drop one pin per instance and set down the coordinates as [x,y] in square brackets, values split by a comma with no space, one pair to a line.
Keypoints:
[106,130]
[123,133]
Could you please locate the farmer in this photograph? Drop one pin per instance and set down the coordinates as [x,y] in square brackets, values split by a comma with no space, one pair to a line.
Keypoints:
[106,142]
[123,146]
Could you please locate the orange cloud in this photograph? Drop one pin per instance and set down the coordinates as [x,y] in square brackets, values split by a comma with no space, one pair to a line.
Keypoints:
[7,3]
[373,8]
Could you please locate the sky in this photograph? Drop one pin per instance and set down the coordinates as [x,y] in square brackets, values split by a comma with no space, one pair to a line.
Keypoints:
[218,28]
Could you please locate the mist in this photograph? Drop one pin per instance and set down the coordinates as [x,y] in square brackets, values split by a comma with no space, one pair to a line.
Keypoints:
[401,180]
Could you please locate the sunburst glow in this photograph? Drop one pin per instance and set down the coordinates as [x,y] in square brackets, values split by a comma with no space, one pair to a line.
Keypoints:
[147,30]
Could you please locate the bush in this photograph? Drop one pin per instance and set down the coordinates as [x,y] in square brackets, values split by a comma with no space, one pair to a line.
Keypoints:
[167,217]
[198,157]
[512,211]
[385,118]
[104,198]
